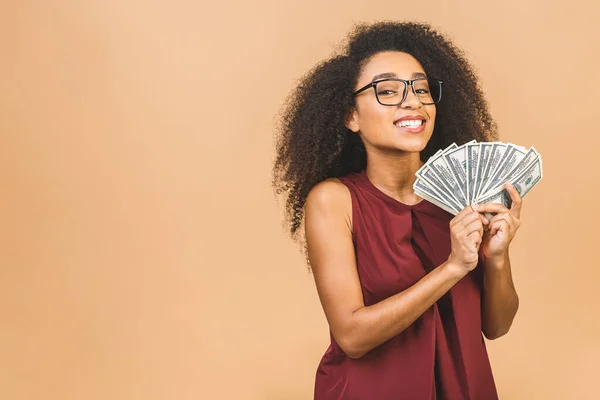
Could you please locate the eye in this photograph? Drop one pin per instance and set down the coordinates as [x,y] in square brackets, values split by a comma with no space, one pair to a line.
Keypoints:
[386,92]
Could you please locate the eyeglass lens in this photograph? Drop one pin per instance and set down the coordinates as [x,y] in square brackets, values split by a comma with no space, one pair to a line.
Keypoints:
[390,92]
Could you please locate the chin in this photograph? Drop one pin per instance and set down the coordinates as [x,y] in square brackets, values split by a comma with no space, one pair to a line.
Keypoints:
[413,144]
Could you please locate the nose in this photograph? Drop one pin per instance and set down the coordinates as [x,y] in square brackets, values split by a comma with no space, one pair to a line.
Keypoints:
[411,100]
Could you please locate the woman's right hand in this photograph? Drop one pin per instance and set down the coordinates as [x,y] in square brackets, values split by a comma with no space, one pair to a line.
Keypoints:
[466,234]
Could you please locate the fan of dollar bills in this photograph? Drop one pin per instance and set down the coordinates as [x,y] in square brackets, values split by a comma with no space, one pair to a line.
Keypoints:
[475,173]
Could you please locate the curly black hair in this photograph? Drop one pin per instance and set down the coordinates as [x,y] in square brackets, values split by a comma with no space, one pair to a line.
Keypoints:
[312,142]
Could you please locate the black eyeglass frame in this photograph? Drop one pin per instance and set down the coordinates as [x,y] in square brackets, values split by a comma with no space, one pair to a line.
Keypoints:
[406,85]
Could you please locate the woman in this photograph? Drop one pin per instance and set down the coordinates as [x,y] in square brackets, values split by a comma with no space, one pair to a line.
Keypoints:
[407,288]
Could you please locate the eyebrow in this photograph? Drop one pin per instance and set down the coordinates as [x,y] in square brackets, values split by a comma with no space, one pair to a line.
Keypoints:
[415,75]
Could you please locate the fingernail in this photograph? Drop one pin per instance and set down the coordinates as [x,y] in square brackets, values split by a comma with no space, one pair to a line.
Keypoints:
[475,206]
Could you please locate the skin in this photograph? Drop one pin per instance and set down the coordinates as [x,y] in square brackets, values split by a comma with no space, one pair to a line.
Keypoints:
[393,159]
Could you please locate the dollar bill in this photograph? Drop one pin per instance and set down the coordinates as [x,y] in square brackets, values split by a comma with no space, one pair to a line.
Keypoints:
[472,158]
[510,158]
[484,155]
[523,183]
[437,153]
[456,161]
[433,196]
[530,156]
[434,181]
[476,173]
[437,166]
[496,153]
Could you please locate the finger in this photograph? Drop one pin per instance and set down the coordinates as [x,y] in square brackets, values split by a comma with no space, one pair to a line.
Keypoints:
[506,217]
[512,222]
[517,201]
[462,214]
[503,227]
[491,208]
[475,226]
[475,239]
[484,219]
[500,225]
[464,217]
[466,221]
[494,228]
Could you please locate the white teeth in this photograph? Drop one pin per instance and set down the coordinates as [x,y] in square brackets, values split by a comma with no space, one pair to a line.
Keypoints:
[412,123]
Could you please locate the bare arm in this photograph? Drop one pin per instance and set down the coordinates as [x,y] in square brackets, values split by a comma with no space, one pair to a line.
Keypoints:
[500,300]
[358,328]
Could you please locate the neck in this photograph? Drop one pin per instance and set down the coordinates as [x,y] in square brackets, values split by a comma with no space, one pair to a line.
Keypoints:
[394,174]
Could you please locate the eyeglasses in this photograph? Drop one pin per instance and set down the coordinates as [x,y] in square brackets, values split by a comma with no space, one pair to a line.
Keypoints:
[393,91]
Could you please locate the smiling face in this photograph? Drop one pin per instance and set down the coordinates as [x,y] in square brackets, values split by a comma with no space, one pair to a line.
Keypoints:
[391,127]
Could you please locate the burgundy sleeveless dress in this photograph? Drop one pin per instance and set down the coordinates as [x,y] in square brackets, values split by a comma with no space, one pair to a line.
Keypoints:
[442,355]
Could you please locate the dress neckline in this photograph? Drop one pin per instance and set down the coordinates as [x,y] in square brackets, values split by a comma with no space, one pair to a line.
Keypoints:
[378,192]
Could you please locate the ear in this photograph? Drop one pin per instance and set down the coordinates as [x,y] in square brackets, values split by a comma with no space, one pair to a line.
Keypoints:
[351,121]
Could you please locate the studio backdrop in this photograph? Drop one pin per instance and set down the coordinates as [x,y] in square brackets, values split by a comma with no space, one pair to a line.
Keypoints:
[142,252]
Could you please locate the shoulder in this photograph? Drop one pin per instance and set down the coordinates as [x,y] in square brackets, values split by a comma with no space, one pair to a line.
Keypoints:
[329,191]
[329,199]
[330,194]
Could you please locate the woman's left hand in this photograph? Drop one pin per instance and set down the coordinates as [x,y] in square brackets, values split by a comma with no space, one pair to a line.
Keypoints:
[503,226]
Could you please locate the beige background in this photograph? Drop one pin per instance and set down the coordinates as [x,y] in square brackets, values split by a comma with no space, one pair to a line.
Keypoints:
[141,248]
